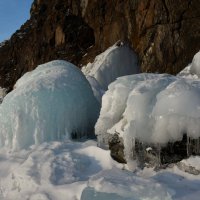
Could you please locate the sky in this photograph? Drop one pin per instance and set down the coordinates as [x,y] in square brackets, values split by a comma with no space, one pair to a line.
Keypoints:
[13,13]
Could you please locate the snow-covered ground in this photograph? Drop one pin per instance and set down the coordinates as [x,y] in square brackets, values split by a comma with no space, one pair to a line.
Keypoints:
[81,170]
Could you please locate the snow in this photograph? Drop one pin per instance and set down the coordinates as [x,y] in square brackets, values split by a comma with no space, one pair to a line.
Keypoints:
[192,71]
[116,61]
[83,171]
[50,103]
[154,108]
[3,43]
[192,161]
[195,68]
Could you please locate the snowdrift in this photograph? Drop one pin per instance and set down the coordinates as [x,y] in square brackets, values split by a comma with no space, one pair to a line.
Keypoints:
[116,61]
[51,102]
[77,171]
[153,108]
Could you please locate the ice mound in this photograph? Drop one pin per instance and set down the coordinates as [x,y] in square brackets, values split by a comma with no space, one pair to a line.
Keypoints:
[153,108]
[193,69]
[53,101]
[116,61]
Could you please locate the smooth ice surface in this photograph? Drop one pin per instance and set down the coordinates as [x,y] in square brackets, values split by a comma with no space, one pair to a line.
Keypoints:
[49,103]
[96,88]
[153,108]
[116,61]
[82,171]
[192,70]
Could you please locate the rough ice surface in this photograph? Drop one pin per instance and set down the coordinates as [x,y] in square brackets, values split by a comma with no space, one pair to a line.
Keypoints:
[192,70]
[153,108]
[49,103]
[116,61]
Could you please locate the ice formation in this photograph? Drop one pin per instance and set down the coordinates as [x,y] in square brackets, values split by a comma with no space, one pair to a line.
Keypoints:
[116,61]
[96,88]
[193,69]
[153,108]
[53,101]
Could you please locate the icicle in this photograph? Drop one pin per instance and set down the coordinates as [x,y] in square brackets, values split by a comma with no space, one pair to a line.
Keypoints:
[188,146]
[133,149]
[159,158]
[198,146]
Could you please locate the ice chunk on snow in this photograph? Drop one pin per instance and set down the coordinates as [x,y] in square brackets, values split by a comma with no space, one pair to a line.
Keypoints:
[116,184]
[153,108]
[116,61]
[52,101]
[193,69]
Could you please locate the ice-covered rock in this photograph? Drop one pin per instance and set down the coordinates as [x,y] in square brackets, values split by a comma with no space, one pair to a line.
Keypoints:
[51,102]
[151,108]
[116,61]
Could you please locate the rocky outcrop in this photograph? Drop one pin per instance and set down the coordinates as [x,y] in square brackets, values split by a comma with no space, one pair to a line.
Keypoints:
[52,32]
[164,33]
[116,147]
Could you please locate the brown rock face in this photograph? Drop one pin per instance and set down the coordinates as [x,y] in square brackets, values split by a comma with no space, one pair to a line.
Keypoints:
[52,32]
[164,33]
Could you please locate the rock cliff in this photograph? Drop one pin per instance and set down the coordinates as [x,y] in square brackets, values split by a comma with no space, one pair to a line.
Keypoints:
[164,33]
